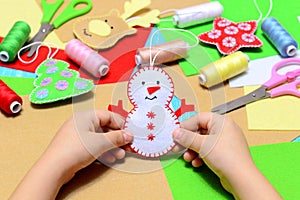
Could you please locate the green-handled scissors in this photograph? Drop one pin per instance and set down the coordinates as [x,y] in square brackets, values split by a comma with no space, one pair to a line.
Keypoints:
[49,10]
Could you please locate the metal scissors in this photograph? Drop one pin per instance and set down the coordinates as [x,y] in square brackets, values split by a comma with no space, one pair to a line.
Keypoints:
[278,85]
[49,10]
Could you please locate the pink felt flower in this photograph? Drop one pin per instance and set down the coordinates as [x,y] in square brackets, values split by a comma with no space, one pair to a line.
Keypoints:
[42,94]
[66,74]
[62,85]
[46,81]
[81,85]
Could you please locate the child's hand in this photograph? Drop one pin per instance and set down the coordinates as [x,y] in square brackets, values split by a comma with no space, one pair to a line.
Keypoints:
[88,136]
[80,141]
[222,146]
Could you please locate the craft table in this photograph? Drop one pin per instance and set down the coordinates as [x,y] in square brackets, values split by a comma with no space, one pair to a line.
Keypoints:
[23,138]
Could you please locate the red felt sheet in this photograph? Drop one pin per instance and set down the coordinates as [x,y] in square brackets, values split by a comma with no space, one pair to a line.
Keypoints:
[121,58]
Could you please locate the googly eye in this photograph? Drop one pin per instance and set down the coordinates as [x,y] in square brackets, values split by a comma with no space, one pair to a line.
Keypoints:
[157,82]
[143,82]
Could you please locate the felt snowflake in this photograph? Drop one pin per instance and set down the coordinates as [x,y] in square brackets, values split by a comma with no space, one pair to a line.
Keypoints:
[151,137]
[151,115]
[56,82]
[150,126]
[229,36]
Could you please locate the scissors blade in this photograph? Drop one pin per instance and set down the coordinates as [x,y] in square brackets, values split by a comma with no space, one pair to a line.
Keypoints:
[44,30]
[257,94]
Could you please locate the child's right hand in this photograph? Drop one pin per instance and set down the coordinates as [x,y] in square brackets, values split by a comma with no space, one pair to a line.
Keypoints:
[220,143]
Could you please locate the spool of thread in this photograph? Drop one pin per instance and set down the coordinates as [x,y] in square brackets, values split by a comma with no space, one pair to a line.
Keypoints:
[87,58]
[10,102]
[198,14]
[15,39]
[280,38]
[223,69]
[162,53]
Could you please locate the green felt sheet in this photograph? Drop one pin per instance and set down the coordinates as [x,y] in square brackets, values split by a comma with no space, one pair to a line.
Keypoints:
[286,12]
[280,163]
[22,86]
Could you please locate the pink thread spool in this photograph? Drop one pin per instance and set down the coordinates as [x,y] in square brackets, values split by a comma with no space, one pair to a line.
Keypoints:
[87,58]
[166,52]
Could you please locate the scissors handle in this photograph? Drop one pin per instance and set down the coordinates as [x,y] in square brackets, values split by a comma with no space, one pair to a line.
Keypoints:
[277,79]
[290,89]
[49,9]
[71,12]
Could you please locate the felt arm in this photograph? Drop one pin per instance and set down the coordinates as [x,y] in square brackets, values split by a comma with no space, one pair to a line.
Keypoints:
[184,108]
[118,109]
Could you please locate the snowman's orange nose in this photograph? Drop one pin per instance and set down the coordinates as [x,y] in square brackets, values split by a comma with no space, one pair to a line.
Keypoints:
[153,89]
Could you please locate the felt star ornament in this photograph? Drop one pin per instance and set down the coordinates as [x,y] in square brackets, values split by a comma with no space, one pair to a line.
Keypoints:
[229,36]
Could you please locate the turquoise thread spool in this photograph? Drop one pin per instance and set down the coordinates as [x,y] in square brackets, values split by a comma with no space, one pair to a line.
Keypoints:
[13,42]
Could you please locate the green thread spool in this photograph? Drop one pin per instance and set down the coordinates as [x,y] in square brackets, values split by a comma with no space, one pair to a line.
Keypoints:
[13,42]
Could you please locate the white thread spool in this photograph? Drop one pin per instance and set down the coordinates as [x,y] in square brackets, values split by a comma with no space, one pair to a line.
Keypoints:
[89,59]
[197,14]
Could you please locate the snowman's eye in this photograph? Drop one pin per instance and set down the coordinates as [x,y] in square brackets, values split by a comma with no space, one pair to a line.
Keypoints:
[157,82]
[143,82]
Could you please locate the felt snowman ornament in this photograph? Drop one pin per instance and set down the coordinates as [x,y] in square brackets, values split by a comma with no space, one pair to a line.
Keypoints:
[151,120]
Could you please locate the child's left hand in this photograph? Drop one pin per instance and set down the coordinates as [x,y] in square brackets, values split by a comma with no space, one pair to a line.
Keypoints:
[91,135]
[79,142]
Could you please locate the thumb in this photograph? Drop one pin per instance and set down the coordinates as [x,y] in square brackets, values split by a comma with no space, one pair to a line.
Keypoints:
[116,139]
[189,139]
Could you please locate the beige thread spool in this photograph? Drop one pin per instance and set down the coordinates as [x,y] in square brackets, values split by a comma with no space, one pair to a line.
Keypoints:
[163,53]
[223,69]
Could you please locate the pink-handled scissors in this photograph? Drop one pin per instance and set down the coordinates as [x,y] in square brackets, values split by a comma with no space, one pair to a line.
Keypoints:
[276,86]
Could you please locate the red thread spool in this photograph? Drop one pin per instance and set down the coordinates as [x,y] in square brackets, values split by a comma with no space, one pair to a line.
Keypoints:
[10,102]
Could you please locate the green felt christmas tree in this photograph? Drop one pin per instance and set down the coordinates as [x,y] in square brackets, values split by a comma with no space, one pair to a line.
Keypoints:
[56,82]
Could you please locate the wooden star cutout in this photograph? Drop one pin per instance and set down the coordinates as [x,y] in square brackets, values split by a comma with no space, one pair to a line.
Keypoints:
[229,36]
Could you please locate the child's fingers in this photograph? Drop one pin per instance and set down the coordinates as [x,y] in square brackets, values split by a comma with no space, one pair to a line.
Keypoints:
[109,119]
[177,148]
[190,155]
[107,158]
[197,122]
[189,139]
[99,143]
[118,153]
[197,162]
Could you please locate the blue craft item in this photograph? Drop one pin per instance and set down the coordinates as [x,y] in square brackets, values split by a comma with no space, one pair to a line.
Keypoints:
[280,37]
[8,72]
[297,139]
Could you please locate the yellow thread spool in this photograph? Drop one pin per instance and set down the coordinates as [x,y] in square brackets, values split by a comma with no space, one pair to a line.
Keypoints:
[223,69]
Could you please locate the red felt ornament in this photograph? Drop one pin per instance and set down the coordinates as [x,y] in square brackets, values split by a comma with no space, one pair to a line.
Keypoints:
[229,36]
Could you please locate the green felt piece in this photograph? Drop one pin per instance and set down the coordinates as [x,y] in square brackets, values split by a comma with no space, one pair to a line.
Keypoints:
[285,12]
[22,86]
[56,82]
[278,162]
